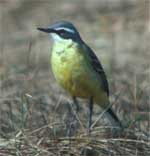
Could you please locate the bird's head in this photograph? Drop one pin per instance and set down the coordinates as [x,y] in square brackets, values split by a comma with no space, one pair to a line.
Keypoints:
[61,31]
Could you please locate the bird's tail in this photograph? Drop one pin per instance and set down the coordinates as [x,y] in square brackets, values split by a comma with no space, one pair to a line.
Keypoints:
[113,119]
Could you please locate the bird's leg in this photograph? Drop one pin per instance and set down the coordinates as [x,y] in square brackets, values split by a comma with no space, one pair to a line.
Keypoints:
[70,121]
[76,103]
[72,116]
[90,112]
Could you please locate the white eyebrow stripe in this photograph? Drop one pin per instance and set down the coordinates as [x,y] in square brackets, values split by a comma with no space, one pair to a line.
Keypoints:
[67,29]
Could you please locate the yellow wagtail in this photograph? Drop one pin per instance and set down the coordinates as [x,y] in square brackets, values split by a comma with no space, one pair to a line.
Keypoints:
[77,69]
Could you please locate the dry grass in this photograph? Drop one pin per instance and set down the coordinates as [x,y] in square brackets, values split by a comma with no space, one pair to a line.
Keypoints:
[36,142]
[35,129]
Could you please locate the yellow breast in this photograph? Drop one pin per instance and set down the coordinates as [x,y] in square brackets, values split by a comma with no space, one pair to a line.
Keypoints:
[74,72]
[66,62]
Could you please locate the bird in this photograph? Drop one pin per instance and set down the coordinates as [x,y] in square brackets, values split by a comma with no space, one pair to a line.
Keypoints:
[78,70]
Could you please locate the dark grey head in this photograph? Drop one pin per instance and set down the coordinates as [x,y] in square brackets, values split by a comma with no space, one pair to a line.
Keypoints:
[62,30]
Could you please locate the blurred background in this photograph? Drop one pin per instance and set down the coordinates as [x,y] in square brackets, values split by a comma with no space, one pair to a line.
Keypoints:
[118,32]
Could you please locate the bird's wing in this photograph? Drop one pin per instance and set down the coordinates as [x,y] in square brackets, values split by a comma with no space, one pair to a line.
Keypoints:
[98,68]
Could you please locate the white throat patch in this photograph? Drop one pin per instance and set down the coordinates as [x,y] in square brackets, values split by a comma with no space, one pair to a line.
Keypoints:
[56,37]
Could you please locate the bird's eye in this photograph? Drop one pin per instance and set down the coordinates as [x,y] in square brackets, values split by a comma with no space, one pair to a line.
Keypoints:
[62,32]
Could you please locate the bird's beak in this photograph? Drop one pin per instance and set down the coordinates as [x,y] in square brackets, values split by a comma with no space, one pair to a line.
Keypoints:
[47,30]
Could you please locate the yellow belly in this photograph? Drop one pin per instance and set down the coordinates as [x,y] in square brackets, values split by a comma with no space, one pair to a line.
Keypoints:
[68,71]
[75,74]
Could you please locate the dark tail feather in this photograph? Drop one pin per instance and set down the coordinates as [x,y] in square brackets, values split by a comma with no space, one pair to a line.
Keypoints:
[115,122]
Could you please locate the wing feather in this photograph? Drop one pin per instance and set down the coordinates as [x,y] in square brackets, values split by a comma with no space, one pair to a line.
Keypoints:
[98,68]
